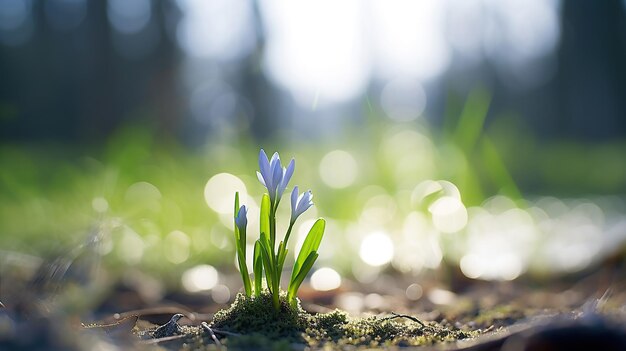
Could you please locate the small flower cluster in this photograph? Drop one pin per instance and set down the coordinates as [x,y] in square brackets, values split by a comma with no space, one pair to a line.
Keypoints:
[267,258]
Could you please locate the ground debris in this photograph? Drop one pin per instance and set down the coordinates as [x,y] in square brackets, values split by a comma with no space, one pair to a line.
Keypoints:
[170,328]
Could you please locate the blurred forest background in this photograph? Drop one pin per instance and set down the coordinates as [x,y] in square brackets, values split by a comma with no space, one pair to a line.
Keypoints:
[486,135]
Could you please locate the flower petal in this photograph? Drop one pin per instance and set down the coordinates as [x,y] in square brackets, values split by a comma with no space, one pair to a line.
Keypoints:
[277,177]
[294,200]
[264,166]
[304,202]
[275,158]
[260,177]
[287,173]
[242,220]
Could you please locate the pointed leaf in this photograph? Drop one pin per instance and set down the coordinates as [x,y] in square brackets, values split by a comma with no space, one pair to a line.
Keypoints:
[236,229]
[236,203]
[240,248]
[257,265]
[245,276]
[268,260]
[296,281]
[311,243]
[264,218]
[282,254]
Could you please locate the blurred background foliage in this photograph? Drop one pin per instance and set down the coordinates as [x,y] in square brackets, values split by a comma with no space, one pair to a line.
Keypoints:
[484,135]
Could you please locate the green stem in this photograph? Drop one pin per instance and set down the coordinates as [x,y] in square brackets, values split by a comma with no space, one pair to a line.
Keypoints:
[277,270]
[288,232]
[273,229]
[276,293]
[280,269]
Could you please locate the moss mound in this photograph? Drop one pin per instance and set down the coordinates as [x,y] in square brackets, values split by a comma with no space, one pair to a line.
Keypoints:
[260,326]
[340,330]
[257,316]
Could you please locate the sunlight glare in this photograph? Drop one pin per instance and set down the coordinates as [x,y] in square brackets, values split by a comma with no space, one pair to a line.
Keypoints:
[379,210]
[365,274]
[449,214]
[410,38]
[441,296]
[176,247]
[220,294]
[219,192]
[200,278]
[414,292]
[316,47]
[376,249]
[351,302]
[218,29]
[325,279]
[338,169]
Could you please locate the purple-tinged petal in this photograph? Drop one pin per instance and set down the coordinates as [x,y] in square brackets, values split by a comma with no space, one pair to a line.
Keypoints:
[277,176]
[294,199]
[241,219]
[287,173]
[275,163]
[304,202]
[260,177]
[264,167]
[300,204]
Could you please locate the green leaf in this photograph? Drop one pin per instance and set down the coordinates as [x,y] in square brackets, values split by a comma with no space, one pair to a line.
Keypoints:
[236,205]
[311,243]
[282,254]
[236,230]
[264,218]
[245,276]
[268,261]
[257,265]
[240,245]
[296,281]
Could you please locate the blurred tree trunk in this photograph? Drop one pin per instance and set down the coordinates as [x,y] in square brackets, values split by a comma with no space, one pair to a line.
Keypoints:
[592,69]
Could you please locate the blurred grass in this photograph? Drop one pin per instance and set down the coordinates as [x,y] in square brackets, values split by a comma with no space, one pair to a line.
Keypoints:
[51,195]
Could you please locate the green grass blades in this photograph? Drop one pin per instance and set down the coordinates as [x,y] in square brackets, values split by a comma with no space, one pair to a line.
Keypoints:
[265,214]
[272,274]
[240,243]
[268,260]
[306,257]
[258,269]
[296,281]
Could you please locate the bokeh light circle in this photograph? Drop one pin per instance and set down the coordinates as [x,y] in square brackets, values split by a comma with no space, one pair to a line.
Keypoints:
[376,249]
[219,192]
[325,279]
[338,169]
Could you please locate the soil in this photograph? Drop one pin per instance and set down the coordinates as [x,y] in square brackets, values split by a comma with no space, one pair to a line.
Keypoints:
[583,313]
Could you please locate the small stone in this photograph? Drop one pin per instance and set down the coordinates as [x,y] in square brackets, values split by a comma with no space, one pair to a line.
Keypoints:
[170,328]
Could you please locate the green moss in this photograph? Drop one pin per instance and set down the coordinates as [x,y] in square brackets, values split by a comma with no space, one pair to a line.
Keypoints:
[256,315]
[337,328]
[260,326]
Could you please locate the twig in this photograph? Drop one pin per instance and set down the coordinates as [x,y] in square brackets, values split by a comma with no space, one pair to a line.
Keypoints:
[215,339]
[160,340]
[224,332]
[396,315]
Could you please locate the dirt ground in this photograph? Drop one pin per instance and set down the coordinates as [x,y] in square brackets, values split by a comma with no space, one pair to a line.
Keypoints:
[583,311]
